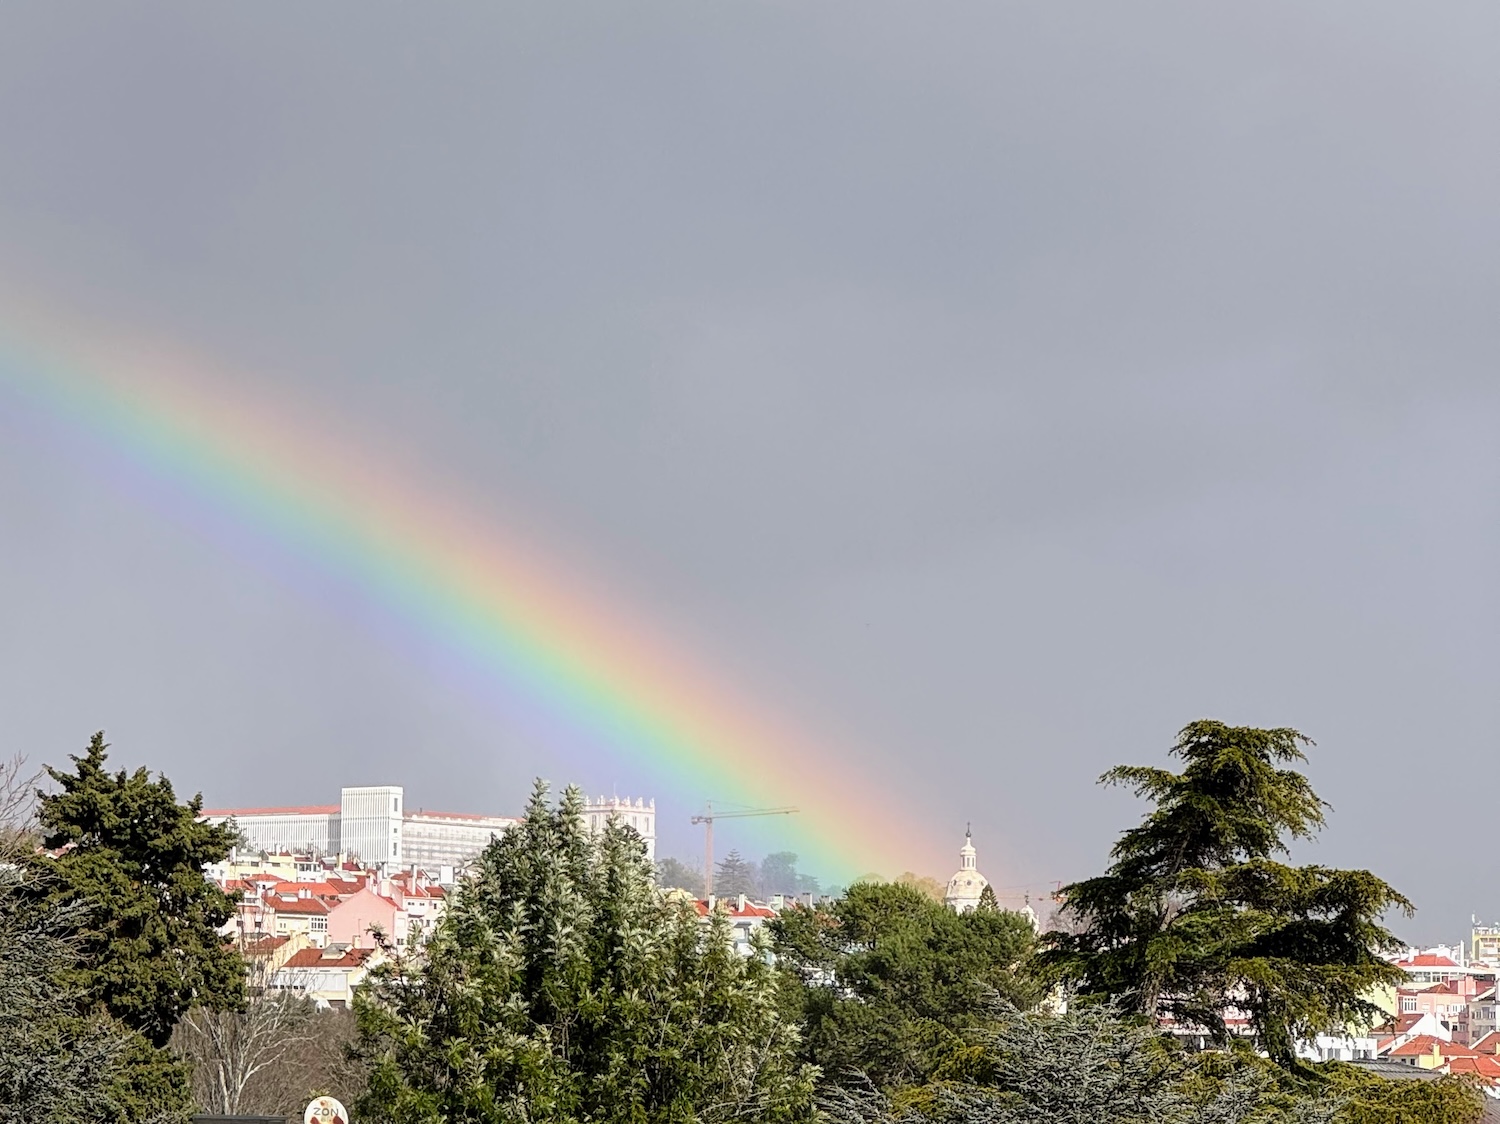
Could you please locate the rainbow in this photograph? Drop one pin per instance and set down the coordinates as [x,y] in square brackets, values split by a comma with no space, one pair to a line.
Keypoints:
[506,613]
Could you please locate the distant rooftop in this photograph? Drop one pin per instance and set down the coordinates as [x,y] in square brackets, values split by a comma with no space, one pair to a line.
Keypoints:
[305,810]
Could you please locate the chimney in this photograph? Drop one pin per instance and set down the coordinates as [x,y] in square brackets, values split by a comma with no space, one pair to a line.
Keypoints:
[303,892]
[742,904]
[712,902]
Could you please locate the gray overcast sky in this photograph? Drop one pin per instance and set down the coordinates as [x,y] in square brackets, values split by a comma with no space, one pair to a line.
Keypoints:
[996,386]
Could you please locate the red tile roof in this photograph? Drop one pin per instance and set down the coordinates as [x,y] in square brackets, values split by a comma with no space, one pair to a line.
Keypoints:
[423,813]
[733,910]
[329,958]
[329,890]
[263,946]
[1423,1044]
[1484,1067]
[1427,960]
[306,810]
[315,906]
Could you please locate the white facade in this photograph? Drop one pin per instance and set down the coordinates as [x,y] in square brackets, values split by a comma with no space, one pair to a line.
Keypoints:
[638,814]
[446,839]
[373,825]
[314,830]
[967,884]
[370,824]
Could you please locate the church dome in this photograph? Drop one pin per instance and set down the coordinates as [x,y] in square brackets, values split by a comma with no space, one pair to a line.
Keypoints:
[967,884]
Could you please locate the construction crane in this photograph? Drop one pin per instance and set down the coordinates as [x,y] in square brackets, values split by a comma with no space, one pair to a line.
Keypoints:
[707,820]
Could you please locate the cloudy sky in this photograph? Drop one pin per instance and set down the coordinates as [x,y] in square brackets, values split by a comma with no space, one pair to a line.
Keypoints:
[990,387]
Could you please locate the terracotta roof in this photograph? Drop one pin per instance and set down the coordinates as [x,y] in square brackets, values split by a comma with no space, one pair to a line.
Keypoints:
[329,958]
[305,810]
[333,890]
[423,813]
[1484,1067]
[1427,960]
[1424,1044]
[733,910]
[294,904]
[263,946]
[1489,1044]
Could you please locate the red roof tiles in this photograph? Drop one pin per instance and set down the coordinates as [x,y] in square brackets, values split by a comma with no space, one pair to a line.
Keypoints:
[307,810]
[1424,1044]
[329,958]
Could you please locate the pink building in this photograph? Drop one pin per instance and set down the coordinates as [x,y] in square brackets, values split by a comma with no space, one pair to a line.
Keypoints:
[350,921]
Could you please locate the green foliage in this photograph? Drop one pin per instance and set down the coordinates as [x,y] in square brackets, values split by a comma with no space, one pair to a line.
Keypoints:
[1195,916]
[885,979]
[55,1064]
[1370,1099]
[778,874]
[734,876]
[1084,1067]
[927,884]
[562,987]
[131,860]
[673,874]
[137,857]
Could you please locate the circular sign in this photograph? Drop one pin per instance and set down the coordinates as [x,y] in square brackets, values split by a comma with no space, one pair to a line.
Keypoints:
[325,1110]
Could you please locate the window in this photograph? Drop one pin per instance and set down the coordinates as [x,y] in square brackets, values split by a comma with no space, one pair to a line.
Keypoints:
[1408,1004]
[395,803]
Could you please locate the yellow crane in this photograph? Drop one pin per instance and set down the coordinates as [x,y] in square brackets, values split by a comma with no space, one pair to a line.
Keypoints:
[707,817]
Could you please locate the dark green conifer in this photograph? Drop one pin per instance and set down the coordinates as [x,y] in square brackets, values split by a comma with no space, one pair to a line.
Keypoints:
[1196,916]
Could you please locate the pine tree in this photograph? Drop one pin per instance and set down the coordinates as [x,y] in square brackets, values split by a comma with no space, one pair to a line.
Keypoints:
[987,900]
[137,857]
[734,876]
[562,986]
[1195,915]
[778,874]
[674,874]
[130,859]
[55,1063]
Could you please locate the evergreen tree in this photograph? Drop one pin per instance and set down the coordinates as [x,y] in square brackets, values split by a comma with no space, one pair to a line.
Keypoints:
[885,980]
[778,874]
[1084,1067]
[987,900]
[563,987]
[136,857]
[674,874]
[1196,916]
[734,876]
[925,884]
[55,1063]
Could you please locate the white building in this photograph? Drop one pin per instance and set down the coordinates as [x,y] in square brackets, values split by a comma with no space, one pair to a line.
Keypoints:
[967,884]
[640,815]
[372,824]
